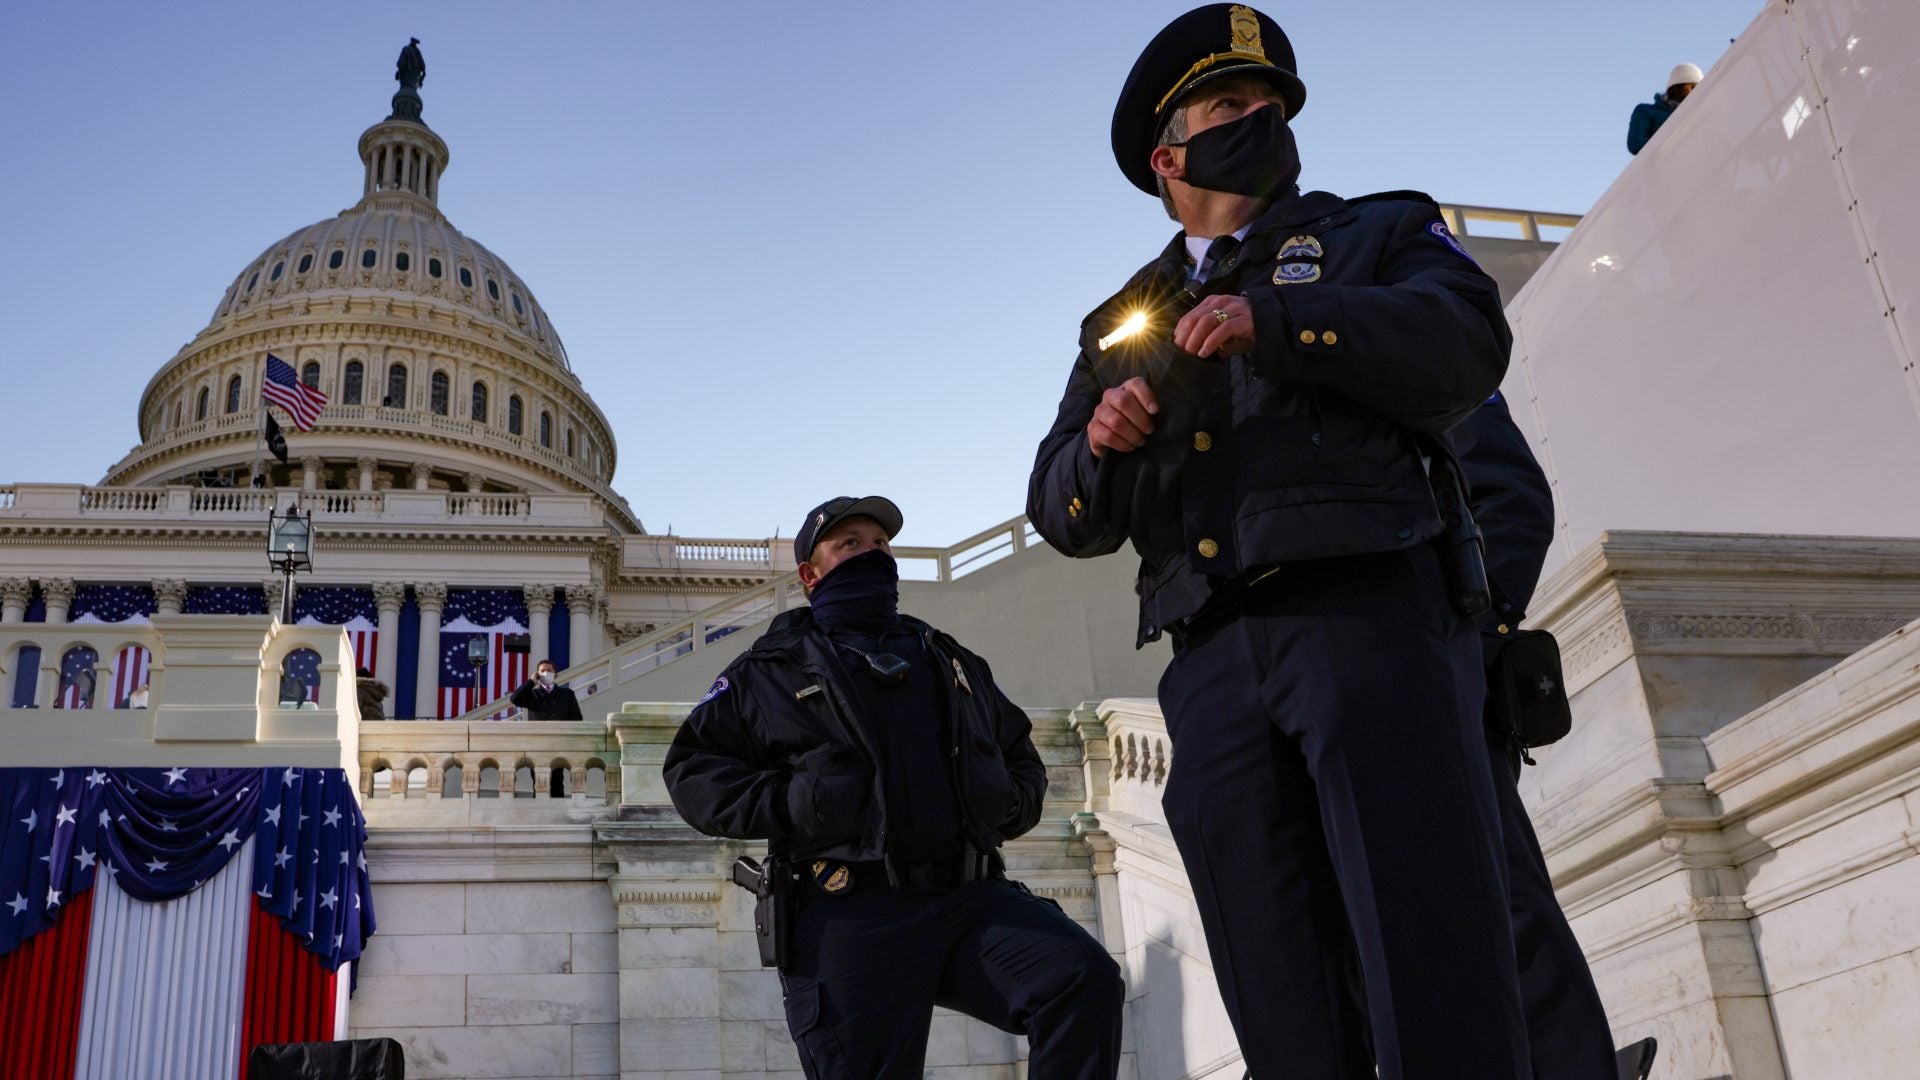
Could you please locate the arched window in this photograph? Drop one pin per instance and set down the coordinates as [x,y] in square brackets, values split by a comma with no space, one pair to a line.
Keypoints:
[300,679]
[369,258]
[79,681]
[493,288]
[440,390]
[569,442]
[306,263]
[353,387]
[450,780]
[557,781]
[233,394]
[200,407]
[479,403]
[277,267]
[466,278]
[396,387]
[433,268]
[546,429]
[402,261]
[334,260]
[515,421]
[310,374]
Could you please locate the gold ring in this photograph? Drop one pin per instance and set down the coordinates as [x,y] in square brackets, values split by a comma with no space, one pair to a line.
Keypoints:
[1221,314]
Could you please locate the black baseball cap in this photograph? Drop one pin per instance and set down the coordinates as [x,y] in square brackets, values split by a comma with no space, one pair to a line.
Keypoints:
[1205,44]
[835,510]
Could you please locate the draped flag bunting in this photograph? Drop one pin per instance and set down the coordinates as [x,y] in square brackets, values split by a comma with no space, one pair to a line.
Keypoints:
[131,671]
[112,604]
[162,922]
[348,607]
[228,600]
[79,678]
[488,614]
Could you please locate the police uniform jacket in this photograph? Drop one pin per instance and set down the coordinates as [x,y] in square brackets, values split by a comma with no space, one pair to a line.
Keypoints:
[1513,506]
[1373,330]
[778,751]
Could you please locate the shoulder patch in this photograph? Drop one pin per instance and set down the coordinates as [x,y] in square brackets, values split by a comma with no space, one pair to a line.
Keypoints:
[720,686]
[1445,235]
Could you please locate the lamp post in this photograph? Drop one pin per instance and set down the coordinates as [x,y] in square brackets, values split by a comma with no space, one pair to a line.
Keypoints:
[476,659]
[289,550]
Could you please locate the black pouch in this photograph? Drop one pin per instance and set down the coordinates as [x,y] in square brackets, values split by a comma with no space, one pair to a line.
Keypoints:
[1526,691]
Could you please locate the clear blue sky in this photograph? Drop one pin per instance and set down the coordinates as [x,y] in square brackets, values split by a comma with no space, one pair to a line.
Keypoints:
[794,250]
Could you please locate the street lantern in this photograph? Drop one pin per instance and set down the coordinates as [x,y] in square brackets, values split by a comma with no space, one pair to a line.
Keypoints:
[477,659]
[289,550]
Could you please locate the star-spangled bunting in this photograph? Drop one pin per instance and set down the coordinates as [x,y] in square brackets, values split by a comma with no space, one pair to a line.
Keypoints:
[163,832]
[490,614]
[349,607]
[112,603]
[228,600]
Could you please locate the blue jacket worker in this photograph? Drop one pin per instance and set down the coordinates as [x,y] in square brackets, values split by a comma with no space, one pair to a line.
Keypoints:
[1649,115]
[884,768]
[1255,412]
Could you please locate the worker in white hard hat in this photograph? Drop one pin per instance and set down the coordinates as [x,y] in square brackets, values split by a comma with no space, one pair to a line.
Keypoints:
[1648,116]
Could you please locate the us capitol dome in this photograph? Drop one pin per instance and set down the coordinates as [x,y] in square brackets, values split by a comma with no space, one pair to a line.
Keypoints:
[441,369]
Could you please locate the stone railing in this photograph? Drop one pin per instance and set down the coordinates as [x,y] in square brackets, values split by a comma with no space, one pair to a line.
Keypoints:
[758,604]
[74,503]
[1498,224]
[684,553]
[6,497]
[423,763]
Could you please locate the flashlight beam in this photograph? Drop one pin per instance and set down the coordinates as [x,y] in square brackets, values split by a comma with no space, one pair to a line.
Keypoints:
[1134,323]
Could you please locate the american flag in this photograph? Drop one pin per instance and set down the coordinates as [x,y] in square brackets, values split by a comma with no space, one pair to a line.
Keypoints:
[131,671]
[112,603]
[228,600]
[78,678]
[304,665]
[348,607]
[489,614]
[284,388]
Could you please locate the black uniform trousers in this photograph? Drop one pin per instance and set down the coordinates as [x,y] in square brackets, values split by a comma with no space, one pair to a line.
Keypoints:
[865,970]
[1331,798]
[1567,1030]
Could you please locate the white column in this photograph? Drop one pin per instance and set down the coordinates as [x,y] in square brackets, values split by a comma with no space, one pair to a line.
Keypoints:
[169,596]
[310,467]
[15,594]
[388,598]
[580,605]
[422,472]
[366,472]
[539,608]
[58,593]
[432,598]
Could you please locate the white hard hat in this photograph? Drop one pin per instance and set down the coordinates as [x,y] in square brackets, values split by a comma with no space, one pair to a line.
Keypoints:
[1684,73]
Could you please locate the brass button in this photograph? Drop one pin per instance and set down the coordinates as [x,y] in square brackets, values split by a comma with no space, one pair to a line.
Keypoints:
[1329,338]
[1073,508]
[1208,549]
[1503,629]
[1202,441]
[1306,337]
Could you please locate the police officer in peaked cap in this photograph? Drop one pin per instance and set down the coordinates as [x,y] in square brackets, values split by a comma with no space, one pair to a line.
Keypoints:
[884,768]
[1261,411]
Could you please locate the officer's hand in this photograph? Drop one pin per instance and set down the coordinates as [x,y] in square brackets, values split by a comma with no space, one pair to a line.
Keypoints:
[1204,333]
[1123,419]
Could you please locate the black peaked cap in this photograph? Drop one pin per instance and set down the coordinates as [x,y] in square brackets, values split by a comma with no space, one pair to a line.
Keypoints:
[1195,49]
[835,510]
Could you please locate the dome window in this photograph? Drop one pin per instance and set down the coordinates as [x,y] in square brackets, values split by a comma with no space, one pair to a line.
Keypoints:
[336,260]
[254,280]
[233,394]
[277,267]
[546,429]
[439,393]
[354,384]
[396,387]
[200,407]
[493,288]
[466,278]
[310,374]
[479,412]
[569,442]
[433,268]
[369,258]
[306,264]
[517,309]
[516,422]
[402,261]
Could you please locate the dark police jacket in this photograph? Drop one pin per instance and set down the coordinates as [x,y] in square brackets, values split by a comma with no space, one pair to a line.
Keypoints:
[1373,329]
[558,703]
[1513,506]
[777,750]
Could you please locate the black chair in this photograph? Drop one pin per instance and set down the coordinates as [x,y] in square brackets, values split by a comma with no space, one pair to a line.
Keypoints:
[348,1059]
[1636,1061]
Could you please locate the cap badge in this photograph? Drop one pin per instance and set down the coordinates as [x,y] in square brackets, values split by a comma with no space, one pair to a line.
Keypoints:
[1246,31]
[820,520]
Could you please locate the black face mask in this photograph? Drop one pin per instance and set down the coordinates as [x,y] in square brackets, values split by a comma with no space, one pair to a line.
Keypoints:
[862,593]
[1254,155]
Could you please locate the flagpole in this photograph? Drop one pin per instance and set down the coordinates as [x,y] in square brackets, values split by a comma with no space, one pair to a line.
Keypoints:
[260,429]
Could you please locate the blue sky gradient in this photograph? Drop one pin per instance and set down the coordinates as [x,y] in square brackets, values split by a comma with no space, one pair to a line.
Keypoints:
[795,250]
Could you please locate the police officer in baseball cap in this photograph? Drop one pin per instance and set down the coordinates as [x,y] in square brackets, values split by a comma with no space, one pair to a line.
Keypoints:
[885,769]
[1255,412]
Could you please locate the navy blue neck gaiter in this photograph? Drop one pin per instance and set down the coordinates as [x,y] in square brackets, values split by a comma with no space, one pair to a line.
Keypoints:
[862,593]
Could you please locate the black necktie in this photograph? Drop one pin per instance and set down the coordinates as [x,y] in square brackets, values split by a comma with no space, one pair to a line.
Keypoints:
[1220,255]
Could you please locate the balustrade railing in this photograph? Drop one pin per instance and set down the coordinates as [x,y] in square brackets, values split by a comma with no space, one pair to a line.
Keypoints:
[737,551]
[179,502]
[488,505]
[259,501]
[343,502]
[401,760]
[1491,222]
[6,497]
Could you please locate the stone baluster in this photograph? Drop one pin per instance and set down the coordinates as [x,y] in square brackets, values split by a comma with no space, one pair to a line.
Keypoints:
[169,596]
[58,593]
[15,594]
[539,612]
[432,598]
[388,598]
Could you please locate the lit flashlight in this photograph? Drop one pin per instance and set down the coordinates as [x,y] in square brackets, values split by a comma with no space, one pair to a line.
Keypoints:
[1135,323]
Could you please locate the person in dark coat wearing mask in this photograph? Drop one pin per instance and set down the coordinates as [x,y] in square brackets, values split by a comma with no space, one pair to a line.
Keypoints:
[1254,411]
[544,699]
[877,758]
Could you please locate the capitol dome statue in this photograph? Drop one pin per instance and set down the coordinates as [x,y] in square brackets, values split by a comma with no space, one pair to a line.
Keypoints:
[441,369]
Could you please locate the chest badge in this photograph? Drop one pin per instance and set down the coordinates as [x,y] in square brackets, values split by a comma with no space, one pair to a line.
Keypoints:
[833,878]
[1299,261]
[1296,273]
